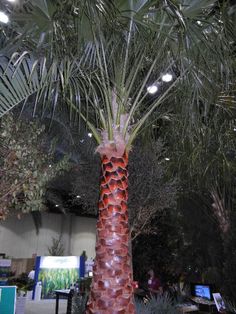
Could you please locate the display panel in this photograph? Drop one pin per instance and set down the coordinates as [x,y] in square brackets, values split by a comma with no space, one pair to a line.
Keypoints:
[203,291]
[56,273]
[7,300]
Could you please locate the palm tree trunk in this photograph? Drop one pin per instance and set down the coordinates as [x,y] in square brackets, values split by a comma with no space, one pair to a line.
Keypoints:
[112,290]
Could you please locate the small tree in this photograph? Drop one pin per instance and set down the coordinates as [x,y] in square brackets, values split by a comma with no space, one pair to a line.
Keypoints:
[25,167]
[57,248]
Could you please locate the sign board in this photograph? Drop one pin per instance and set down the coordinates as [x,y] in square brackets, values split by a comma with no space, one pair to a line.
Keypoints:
[5,268]
[8,300]
[61,262]
[219,302]
[56,273]
[5,262]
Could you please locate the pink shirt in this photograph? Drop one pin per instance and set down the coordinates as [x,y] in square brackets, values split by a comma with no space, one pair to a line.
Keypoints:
[154,283]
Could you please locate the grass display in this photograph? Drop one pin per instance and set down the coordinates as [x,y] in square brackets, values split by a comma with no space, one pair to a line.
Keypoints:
[54,279]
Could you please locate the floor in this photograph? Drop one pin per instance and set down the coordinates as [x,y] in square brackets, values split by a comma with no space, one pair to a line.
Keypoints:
[45,307]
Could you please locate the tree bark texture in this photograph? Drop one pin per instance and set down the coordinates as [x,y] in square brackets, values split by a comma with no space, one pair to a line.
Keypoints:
[112,290]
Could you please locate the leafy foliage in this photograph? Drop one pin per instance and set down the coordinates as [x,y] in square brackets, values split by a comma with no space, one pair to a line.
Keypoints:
[204,159]
[200,253]
[22,282]
[25,167]
[151,192]
[104,79]
[230,261]
[157,305]
[56,249]
[79,303]
[159,250]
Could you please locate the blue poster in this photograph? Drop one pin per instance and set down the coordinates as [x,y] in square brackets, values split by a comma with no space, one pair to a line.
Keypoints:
[7,300]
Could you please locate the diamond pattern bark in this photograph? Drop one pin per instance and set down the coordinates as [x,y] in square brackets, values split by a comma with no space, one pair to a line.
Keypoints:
[112,291]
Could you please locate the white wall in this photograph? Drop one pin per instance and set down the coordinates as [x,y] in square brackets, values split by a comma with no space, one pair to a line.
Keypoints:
[18,238]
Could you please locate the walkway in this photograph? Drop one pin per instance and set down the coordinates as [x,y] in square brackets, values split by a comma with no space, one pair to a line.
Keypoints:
[45,307]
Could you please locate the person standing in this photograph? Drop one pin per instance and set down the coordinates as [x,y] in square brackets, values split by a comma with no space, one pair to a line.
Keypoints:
[31,274]
[154,283]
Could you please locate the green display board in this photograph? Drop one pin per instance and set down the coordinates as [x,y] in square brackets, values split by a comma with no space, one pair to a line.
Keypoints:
[7,300]
[56,273]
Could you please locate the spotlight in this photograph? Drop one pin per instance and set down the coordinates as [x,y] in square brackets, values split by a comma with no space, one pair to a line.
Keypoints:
[167,77]
[152,89]
[3,17]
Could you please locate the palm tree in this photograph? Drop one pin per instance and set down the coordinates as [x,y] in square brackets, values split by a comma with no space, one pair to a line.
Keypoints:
[103,80]
[206,158]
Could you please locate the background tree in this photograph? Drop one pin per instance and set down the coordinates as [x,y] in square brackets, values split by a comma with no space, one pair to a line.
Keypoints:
[56,249]
[204,161]
[26,166]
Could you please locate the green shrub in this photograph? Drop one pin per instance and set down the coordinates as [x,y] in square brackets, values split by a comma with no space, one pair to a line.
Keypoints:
[157,305]
[79,303]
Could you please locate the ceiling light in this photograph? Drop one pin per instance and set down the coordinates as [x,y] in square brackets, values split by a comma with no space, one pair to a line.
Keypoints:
[3,17]
[11,0]
[78,196]
[167,159]
[167,77]
[152,89]
[90,134]
[57,205]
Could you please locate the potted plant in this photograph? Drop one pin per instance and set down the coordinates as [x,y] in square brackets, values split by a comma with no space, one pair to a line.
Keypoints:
[24,291]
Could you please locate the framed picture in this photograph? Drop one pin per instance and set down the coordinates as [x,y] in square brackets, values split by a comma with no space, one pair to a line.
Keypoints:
[219,302]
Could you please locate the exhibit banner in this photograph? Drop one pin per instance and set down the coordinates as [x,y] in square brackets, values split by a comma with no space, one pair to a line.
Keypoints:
[8,300]
[56,273]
